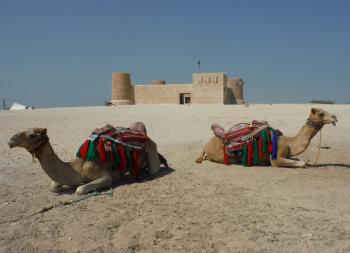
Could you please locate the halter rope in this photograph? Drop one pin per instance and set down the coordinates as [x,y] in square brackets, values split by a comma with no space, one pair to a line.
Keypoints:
[318,125]
[319,149]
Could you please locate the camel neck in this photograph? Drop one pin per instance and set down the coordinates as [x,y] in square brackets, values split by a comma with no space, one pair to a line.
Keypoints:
[59,171]
[301,141]
[307,132]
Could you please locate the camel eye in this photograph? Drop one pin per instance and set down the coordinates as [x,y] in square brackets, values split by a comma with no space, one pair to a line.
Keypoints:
[321,114]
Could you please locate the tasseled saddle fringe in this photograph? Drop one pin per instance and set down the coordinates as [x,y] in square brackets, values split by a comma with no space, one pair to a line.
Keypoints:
[257,149]
[122,157]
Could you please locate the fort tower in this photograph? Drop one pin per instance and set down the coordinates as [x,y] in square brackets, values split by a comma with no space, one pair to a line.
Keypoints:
[122,91]
[236,90]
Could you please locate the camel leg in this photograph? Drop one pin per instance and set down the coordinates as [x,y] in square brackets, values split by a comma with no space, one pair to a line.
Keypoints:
[289,163]
[99,183]
[201,157]
[153,163]
[56,187]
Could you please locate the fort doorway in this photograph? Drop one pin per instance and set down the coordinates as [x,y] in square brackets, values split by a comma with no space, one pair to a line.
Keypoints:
[185,98]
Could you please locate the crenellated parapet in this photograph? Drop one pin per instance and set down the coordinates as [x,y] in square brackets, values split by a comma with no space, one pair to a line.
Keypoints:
[207,73]
[207,79]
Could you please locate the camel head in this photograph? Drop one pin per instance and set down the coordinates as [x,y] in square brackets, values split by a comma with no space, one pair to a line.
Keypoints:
[322,117]
[31,139]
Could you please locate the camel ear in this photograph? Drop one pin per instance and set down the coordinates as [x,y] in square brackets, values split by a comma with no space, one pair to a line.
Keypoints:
[313,110]
[41,131]
[218,130]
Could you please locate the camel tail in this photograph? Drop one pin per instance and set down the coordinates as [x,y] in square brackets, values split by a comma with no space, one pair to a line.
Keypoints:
[201,157]
[163,160]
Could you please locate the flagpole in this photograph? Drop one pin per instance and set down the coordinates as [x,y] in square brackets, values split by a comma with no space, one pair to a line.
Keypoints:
[199,64]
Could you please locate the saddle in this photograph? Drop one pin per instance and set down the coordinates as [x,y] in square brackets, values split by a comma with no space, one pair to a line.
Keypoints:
[125,147]
[248,143]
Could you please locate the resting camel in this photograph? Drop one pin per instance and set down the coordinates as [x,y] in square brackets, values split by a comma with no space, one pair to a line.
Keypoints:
[87,176]
[287,146]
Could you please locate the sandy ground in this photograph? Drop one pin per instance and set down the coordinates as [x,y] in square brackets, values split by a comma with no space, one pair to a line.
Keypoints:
[189,208]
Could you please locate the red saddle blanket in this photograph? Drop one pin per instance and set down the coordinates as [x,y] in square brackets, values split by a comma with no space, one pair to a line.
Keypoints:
[124,146]
[241,133]
[250,142]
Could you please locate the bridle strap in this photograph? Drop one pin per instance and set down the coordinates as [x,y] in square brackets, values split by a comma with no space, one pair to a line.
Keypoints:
[315,124]
[41,143]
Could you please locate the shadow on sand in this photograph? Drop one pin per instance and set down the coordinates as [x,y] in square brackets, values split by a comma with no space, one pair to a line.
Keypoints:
[144,177]
[125,180]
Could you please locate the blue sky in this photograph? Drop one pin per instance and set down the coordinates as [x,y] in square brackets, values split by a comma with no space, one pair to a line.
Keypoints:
[63,53]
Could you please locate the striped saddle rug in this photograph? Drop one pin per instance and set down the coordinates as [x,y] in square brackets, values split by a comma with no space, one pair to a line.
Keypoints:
[125,147]
[250,143]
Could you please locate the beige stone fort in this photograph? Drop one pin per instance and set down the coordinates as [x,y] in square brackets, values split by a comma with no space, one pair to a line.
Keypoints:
[206,88]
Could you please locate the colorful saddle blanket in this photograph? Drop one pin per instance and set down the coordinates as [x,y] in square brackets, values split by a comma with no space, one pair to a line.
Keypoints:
[124,146]
[249,143]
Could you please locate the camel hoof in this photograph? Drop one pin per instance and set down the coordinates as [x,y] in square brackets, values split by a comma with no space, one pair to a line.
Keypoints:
[199,160]
[82,190]
[302,164]
[56,187]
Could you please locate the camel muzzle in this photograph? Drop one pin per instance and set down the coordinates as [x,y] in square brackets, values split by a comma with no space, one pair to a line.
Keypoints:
[12,143]
[334,120]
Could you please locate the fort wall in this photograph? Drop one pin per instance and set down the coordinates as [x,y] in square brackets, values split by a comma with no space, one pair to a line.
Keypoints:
[160,94]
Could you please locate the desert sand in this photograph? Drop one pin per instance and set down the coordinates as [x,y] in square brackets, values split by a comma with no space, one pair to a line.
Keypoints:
[191,207]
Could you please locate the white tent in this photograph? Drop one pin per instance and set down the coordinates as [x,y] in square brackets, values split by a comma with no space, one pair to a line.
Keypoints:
[16,106]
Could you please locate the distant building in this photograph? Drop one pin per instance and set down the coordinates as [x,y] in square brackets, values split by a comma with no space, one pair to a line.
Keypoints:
[206,88]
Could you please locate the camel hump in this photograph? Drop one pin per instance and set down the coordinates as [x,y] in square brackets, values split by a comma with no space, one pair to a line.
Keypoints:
[218,131]
[139,126]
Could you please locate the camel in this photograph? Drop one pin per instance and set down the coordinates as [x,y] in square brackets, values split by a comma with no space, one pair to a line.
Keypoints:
[87,176]
[287,146]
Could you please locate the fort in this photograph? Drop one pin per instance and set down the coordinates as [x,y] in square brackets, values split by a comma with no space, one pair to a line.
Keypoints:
[206,88]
